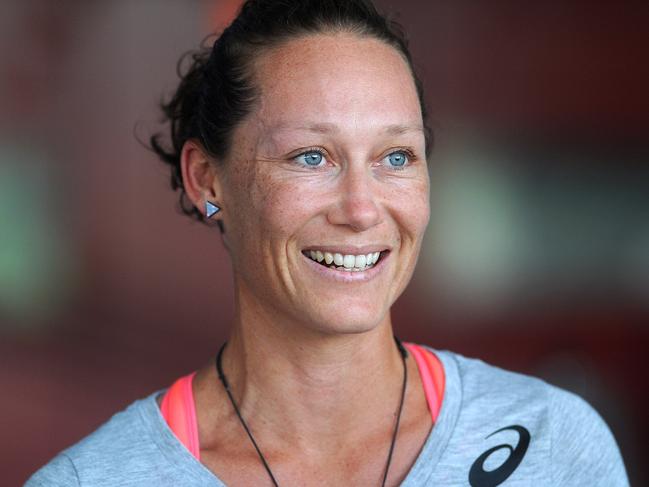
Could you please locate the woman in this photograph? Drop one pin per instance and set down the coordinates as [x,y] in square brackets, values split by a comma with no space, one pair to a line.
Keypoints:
[302,134]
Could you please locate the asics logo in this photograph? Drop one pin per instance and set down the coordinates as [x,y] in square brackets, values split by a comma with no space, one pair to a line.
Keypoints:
[479,477]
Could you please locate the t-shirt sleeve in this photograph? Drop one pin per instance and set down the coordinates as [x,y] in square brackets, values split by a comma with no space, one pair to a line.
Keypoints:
[583,449]
[59,471]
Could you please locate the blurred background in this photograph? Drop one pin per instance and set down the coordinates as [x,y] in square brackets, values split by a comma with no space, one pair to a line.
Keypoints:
[536,259]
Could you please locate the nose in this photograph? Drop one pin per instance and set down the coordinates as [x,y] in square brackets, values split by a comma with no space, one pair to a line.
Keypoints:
[356,202]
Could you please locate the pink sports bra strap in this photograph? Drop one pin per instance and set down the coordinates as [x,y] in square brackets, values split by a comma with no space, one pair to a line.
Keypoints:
[431,372]
[179,411]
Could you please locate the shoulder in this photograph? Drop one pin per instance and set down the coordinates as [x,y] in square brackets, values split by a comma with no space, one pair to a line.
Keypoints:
[122,437]
[117,446]
[568,440]
[582,443]
[59,471]
[484,383]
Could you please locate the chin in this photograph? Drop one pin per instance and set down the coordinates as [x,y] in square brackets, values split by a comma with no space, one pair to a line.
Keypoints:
[347,321]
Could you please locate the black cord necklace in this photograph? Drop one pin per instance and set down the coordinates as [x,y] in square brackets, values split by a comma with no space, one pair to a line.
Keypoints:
[226,385]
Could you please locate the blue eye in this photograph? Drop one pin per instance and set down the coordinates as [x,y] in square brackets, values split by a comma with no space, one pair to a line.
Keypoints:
[397,159]
[311,158]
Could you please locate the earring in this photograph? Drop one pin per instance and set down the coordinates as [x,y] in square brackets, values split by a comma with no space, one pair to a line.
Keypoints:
[211,209]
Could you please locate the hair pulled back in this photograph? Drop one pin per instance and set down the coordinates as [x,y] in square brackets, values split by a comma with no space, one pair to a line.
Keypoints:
[217,91]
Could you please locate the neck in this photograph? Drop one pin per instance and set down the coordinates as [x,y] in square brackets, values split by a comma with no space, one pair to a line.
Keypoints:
[293,381]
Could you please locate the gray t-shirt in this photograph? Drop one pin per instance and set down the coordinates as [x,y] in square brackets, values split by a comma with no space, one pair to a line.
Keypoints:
[495,428]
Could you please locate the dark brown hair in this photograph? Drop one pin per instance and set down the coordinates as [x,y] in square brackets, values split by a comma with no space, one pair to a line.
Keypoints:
[216,92]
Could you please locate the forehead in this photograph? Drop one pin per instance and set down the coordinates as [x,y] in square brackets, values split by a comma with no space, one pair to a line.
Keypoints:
[339,80]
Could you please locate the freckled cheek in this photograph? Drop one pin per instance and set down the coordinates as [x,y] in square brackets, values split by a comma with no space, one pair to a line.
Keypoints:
[283,209]
[414,213]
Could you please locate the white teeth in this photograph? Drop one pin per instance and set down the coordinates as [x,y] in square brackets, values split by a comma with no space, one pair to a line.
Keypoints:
[347,262]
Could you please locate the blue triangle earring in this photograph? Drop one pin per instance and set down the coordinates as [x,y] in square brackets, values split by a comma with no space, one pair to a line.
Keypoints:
[211,209]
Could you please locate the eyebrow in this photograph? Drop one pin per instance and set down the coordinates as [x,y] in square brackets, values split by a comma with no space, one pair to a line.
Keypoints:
[398,129]
[330,128]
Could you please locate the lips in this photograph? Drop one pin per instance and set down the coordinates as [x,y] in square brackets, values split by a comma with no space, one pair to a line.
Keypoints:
[344,261]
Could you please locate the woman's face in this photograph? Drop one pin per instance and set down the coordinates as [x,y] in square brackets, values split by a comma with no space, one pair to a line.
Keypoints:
[324,176]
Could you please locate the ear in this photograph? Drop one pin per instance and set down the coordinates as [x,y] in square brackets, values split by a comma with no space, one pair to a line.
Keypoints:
[200,177]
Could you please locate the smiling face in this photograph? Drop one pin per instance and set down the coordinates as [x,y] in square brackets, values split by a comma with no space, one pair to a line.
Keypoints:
[326,186]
